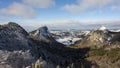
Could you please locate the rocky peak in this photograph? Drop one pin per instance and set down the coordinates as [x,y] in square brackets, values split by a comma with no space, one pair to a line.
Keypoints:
[99,35]
[101,38]
[43,29]
[17,49]
[13,24]
[42,34]
[14,27]
[96,38]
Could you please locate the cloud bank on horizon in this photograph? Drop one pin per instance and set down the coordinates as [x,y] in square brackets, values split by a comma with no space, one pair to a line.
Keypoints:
[34,12]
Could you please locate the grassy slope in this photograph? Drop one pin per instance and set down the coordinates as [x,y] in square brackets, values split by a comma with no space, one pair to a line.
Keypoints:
[104,58]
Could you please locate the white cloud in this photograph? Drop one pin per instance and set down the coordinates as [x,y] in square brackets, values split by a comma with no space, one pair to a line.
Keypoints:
[115,8]
[90,4]
[72,8]
[40,3]
[17,9]
[25,9]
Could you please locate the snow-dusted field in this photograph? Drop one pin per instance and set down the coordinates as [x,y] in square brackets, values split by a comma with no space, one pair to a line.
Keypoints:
[68,38]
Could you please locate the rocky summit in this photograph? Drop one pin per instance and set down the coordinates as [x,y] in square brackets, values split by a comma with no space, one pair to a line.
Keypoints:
[42,34]
[101,37]
[16,48]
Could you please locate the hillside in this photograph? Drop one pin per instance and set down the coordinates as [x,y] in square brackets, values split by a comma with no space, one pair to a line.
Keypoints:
[38,49]
[17,50]
[100,38]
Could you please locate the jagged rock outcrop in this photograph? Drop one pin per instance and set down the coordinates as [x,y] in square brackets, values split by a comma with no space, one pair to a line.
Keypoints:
[42,34]
[17,50]
[96,38]
[101,37]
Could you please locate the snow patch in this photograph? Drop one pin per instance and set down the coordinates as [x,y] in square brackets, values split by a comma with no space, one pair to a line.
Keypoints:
[115,30]
[68,40]
[102,28]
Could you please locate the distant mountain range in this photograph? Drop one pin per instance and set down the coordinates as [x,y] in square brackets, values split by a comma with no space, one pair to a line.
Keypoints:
[76,25]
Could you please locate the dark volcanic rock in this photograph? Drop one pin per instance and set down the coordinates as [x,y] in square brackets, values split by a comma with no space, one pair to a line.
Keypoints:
[16,48]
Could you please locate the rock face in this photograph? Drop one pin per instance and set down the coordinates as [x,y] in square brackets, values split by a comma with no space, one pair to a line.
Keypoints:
[42,34]
[16,48]
[100,38]
[96,38]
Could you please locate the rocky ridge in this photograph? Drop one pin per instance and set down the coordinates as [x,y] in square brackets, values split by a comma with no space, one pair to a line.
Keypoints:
[20,49]
[16,48]
[101,37]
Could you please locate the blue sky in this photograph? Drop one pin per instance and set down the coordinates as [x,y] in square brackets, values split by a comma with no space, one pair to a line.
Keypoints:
[43,12]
